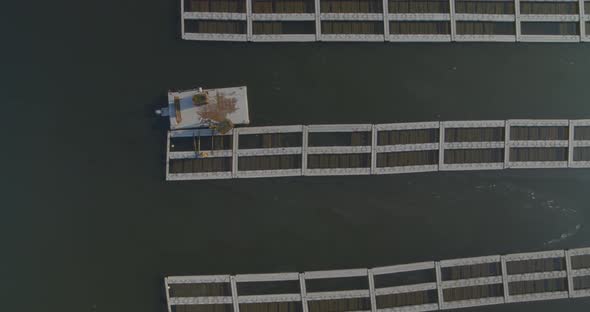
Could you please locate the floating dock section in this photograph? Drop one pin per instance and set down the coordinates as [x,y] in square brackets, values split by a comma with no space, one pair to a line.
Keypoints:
[387,20]
[425,286]
[363,149]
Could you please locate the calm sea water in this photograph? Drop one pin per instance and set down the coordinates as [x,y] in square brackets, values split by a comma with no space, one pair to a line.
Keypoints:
[88,223]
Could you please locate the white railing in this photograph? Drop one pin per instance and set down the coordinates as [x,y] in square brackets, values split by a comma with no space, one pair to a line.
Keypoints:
[373,290]
[373,150]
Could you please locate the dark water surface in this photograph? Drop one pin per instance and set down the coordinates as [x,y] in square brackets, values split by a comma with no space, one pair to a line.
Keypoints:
[88,223]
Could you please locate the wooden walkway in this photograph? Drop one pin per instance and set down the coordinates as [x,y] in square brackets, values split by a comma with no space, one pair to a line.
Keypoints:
[386,20]
[363,149]
[425,286]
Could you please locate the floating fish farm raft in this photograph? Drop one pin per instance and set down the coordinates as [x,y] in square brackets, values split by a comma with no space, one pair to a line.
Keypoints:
[364,149]
[425,286]
[386,20]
